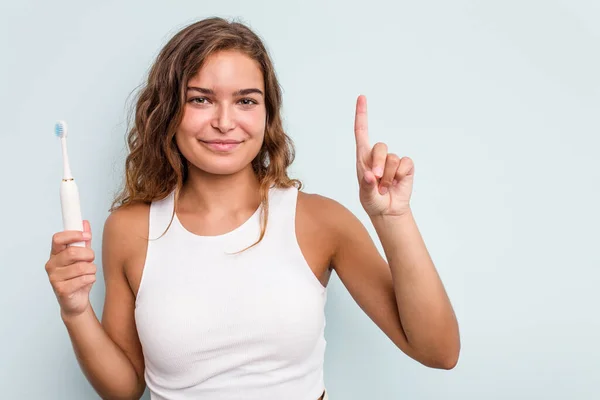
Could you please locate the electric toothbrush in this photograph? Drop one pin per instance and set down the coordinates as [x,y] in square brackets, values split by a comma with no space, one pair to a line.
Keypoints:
[69,193]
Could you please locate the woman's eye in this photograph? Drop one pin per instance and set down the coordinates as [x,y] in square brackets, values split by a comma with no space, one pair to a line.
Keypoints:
[204,100]
[198,100]
[248,102]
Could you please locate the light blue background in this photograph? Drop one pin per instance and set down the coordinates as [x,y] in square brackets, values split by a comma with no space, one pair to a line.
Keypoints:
[496,102]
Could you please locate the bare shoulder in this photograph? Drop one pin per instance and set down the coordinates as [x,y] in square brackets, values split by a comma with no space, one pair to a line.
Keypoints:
[319,206]
[125,240]
[126,226]
[317,212]
[128,221]
[347,237]
[315,231]
[329,223]
[330,214]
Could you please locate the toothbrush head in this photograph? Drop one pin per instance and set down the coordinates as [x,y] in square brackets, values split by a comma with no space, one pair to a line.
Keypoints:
[60,129]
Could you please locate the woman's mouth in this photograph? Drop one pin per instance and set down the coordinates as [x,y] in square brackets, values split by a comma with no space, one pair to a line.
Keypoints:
[221,145]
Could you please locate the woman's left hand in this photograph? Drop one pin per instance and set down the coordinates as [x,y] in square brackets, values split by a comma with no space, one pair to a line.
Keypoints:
[385,180]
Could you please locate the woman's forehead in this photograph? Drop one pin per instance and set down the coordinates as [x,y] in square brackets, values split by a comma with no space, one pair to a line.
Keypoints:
[228,71]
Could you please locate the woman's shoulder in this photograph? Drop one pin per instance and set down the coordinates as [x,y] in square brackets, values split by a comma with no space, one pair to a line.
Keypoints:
[126,229]
[316,203]
[130,218]
[327,212]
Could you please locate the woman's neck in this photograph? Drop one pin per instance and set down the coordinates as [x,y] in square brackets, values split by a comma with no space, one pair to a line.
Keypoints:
[221,194]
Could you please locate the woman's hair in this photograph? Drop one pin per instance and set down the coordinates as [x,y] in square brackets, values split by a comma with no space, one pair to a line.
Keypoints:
[154,166]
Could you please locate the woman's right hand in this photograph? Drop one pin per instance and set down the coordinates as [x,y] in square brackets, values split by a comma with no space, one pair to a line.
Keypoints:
[71,270]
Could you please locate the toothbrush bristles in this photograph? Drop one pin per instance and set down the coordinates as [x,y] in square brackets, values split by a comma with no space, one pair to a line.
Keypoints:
[60,129]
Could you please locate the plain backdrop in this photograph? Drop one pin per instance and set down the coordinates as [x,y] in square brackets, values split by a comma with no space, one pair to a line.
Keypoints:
[495,101]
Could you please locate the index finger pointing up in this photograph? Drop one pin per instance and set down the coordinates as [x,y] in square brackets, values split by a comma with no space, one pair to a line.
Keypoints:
[361,127]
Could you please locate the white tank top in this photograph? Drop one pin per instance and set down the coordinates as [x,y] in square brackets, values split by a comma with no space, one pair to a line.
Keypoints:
[219,326]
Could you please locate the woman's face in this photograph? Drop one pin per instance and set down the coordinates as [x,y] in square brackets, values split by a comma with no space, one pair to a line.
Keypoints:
[224,117]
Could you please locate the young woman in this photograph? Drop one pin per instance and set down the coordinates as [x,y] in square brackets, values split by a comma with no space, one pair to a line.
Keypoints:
[216,263]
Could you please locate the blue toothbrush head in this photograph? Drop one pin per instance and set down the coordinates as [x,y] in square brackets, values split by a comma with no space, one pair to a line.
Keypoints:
[60,129]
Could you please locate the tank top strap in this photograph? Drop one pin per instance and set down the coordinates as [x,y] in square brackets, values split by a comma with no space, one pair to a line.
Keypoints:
[161,212]
[282,213]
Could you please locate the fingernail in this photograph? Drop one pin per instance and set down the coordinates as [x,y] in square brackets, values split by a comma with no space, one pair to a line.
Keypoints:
[378,172]
[395,182]
[383,190]
[87,235]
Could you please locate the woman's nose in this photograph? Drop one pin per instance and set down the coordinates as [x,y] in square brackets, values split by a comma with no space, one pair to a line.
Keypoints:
[224,119]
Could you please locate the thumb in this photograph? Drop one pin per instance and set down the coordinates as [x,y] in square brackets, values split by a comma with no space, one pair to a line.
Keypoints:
[368,184]
[87,228]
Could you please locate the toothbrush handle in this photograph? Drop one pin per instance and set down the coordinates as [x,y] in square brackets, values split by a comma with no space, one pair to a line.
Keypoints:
[71,209]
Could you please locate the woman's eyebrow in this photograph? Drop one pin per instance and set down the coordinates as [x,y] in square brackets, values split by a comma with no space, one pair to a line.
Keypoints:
[245,92]
[241,92]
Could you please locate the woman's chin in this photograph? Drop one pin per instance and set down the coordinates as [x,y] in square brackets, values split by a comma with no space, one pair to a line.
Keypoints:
[221,167]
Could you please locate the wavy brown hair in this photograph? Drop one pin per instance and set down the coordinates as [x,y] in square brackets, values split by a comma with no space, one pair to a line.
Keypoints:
[154,166]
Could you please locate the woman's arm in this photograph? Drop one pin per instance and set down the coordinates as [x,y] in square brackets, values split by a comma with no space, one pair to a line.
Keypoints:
[404,295]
